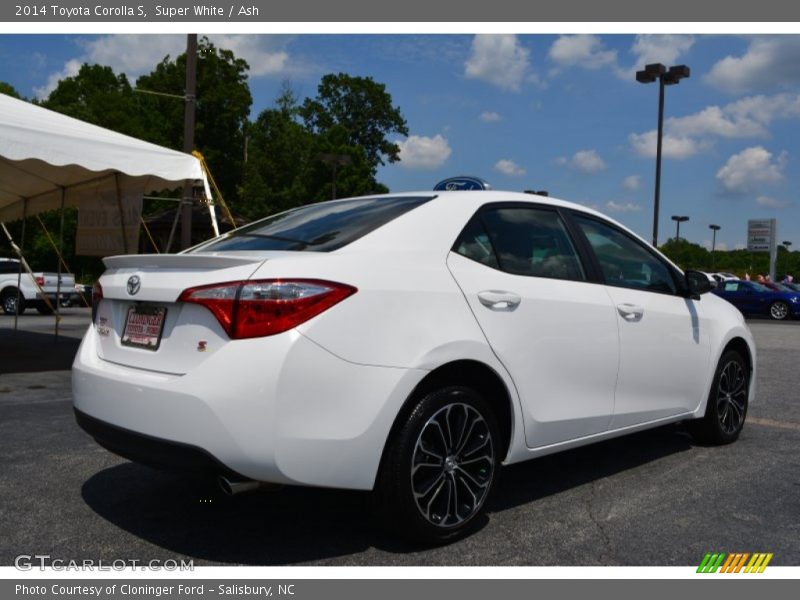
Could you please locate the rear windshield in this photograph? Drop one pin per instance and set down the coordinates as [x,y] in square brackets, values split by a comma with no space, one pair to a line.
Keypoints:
[316,227]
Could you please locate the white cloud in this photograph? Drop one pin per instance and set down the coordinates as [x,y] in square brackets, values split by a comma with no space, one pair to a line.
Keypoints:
[499,60]
[490,116]
[619,207]
[671,146]
[509,167]
[656,48]
[585,51]
[768,62]
[260,52]
[137,54]
[133,55]
[719,245]
[751,168]
[745,118]
[768,202]
[70,69]
[589,52]
[632,182]
[585,161]
[421,152]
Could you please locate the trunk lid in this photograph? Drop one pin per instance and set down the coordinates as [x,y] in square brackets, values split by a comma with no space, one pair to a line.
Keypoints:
[189,333]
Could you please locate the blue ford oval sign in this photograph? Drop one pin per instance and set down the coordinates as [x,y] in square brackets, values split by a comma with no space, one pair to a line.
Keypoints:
[463,183]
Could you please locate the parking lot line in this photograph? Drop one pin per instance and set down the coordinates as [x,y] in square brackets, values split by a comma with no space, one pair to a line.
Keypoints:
[773,423]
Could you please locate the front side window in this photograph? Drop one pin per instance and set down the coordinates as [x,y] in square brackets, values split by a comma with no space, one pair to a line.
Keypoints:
[624,261]
[522,241]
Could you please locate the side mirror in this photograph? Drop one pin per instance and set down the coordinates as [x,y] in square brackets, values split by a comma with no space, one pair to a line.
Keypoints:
[698,283]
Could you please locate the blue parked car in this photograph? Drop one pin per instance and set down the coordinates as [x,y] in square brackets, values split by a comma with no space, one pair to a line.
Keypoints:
[753,298]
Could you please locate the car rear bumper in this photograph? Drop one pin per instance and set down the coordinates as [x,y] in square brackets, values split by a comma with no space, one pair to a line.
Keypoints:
[148,450]
[279,409]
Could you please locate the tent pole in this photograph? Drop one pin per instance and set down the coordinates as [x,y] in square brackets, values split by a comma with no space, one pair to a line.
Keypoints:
[121,214]
[60,254]
[172,231]
[21,248]
[190,107]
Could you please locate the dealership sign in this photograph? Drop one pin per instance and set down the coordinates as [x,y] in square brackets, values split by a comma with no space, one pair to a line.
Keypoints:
[761,235]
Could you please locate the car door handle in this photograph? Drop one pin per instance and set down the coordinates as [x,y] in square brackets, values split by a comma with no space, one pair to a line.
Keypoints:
[499,300]
[630,312]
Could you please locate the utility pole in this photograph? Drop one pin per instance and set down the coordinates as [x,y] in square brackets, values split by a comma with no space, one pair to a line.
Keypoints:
[188,137]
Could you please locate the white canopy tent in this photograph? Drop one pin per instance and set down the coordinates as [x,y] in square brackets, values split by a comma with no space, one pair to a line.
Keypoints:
[50,161]
[44,155]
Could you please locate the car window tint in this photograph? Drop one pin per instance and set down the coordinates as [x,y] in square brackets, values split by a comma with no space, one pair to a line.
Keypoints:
[731,286]
[319,227]
[532,242]
[8,266]
[474,243]
[624,261]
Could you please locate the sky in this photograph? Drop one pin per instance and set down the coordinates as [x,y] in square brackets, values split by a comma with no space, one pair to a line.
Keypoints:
[543,112]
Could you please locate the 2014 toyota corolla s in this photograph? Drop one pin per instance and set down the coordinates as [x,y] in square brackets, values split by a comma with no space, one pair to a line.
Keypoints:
[409,344]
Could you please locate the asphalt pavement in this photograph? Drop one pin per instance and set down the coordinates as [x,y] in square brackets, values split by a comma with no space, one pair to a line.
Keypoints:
[653,498]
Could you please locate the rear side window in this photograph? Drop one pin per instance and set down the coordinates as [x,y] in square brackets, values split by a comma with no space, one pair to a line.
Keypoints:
[319,227]
[521,241]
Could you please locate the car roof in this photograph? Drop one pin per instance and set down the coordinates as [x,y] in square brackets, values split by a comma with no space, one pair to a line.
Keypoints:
[484,196]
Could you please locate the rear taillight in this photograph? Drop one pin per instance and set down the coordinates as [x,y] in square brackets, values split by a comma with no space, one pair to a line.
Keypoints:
[248,309]
[97,295]
[40,281]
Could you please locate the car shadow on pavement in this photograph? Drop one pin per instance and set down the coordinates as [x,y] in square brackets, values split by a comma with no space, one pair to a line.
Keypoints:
[526,482]
[190,516]
[29,351]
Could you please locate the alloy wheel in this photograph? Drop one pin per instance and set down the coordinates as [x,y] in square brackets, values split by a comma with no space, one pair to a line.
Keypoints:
[10,304]
[779,310]
[452,465]
[731,397]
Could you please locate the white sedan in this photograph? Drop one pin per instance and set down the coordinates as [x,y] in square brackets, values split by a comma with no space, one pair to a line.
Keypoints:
[409,344]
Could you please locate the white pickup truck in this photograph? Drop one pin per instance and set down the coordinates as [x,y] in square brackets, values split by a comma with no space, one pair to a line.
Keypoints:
[29,295]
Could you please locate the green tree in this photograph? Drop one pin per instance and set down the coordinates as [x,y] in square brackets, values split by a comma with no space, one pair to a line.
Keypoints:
[279,152]
[98,96]
[223,107]
[284,166]
[363,109]
[9,90]
[356,178]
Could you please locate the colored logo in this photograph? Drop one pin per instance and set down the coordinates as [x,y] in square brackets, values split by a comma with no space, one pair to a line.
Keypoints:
[734,563]
[463,183]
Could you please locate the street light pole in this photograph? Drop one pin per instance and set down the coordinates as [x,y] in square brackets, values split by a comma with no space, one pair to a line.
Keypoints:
[678,220]
[659,138]
[335,161]
[787,245]
[665,76]
[714,229]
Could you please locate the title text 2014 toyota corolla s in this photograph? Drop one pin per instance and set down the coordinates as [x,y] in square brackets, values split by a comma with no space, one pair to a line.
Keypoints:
[408,344]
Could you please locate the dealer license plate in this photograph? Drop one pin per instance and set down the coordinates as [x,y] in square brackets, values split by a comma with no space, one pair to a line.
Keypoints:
[144,326]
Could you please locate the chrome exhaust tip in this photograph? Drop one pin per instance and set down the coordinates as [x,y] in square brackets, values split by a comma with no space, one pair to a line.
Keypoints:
[236,486]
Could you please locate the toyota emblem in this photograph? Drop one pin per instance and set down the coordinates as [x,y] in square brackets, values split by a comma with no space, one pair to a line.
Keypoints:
[134,283]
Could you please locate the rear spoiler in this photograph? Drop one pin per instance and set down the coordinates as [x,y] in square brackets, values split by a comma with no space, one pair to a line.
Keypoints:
[179,261]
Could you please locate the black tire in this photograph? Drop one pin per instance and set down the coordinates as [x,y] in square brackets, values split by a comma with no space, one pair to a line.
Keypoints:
[44,309]
[433,488]
[779,310]
[9,302]
[728,399]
